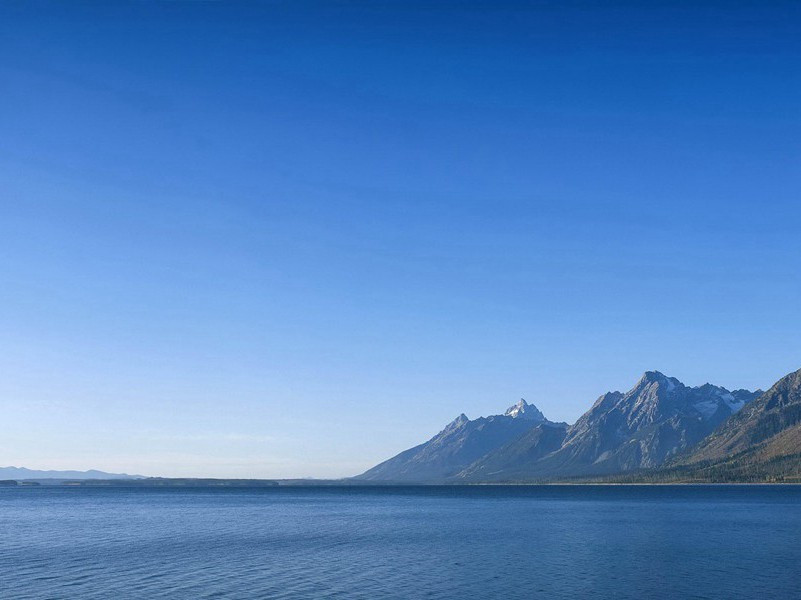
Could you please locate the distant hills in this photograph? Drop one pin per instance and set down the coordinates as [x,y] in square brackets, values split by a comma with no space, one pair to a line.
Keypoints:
[23,473]
[660,430]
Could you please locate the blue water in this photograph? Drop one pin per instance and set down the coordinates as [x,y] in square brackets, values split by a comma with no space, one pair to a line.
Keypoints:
[479,542]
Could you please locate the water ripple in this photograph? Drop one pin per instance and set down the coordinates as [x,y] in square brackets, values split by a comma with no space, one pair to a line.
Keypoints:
[437,543]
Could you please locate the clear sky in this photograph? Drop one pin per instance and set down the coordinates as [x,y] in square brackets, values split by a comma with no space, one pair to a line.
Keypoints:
[294,238]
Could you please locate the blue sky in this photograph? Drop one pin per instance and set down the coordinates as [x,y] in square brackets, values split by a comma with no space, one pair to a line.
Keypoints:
[294,238]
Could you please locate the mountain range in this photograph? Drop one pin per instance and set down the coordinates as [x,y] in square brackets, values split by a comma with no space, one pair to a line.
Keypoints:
[659,430]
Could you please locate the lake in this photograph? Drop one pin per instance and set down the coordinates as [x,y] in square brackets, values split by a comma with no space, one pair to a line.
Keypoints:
[401,542]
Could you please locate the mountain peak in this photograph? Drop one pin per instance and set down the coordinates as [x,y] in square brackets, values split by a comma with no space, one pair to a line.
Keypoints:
[458,421]
[524,410]
[653,376]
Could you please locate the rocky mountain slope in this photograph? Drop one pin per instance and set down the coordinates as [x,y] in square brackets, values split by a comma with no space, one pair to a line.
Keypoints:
[762,441]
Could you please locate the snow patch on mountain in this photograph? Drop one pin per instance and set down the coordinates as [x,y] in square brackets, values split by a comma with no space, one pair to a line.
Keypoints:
[524,410]
[707,408]
[733,403]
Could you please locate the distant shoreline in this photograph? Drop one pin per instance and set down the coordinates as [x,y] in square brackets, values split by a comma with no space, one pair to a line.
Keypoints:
[165,482]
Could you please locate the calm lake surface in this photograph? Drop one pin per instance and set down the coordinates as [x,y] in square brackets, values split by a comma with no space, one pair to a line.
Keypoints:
[403,542]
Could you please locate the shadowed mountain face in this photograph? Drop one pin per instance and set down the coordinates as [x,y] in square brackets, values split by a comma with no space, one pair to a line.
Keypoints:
[762,439]
[526,449]
[457,446]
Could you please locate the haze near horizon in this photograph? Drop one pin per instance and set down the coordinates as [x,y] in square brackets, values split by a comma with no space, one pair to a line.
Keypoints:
[292,239]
